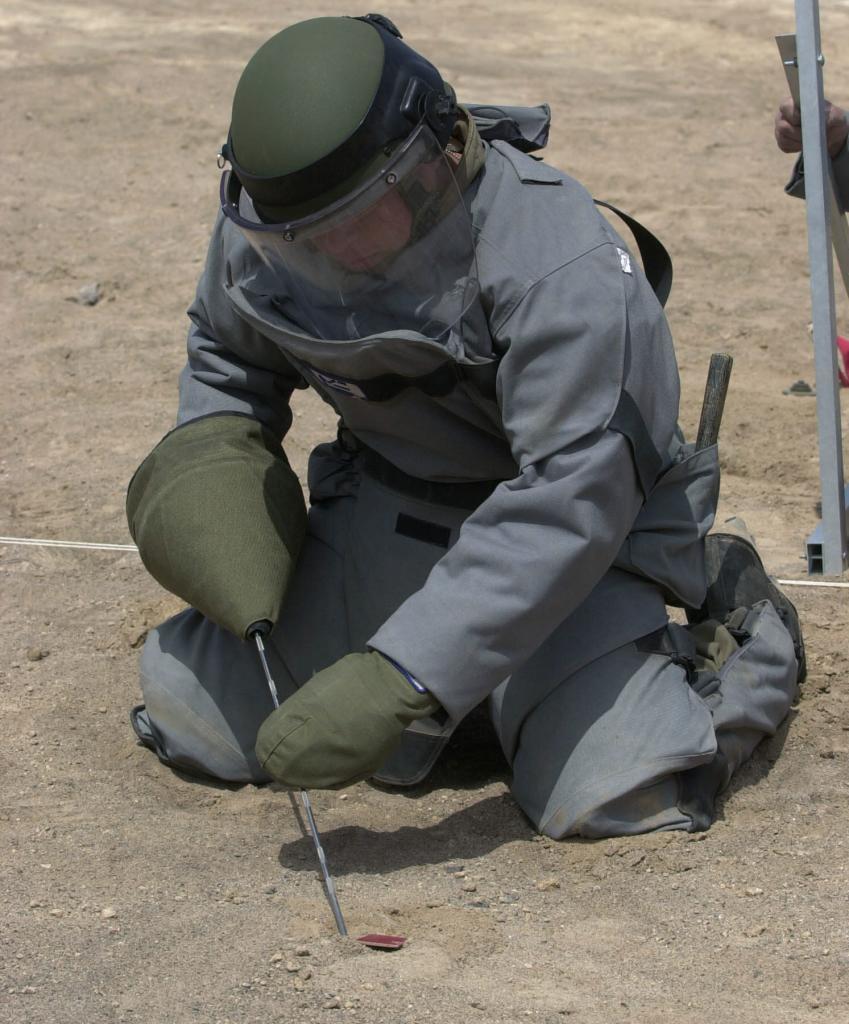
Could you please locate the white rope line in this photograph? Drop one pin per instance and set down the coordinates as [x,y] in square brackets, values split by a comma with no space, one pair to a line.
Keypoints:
[810,583]
[82,544]
[86,545]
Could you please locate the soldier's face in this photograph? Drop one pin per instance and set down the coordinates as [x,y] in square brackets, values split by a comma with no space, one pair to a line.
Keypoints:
[367,241]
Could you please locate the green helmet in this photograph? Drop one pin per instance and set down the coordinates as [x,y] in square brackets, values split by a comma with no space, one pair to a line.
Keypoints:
[340,183]
[321,103]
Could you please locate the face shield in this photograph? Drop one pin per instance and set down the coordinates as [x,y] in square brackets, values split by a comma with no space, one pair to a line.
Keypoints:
[396,253]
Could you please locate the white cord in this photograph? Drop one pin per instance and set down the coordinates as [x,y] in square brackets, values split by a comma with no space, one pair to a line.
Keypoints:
[86,545]
[810,583]
[83,544]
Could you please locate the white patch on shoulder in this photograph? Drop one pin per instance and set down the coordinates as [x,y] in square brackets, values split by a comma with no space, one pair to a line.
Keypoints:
[624,261]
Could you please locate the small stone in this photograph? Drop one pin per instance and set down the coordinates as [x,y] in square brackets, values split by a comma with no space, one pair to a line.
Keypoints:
[452,869]
[35,903]
[302,951]
[433,904]
[298,985]
[636,858]
[90,294]
[547,884]
[469,887]
[292,967]
[332,1004]
[57,912]
[270,890]
[754,890]
[755,930]
[815,1003]
[108,912]
[36,653]
[307,974]
[508,897]
[277,958]
[27,990]
[102,710]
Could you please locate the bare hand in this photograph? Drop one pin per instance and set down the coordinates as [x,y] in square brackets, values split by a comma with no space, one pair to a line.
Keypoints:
[788,128]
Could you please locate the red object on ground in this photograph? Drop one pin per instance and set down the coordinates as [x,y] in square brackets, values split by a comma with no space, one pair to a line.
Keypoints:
[378,941]
[843,360]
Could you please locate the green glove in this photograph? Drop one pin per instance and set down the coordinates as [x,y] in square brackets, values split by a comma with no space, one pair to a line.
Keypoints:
[342,725]
[219,518]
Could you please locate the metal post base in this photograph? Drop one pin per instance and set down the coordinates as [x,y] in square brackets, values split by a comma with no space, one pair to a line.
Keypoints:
[814,544]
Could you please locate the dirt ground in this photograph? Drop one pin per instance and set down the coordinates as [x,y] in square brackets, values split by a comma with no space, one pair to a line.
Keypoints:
[130,893]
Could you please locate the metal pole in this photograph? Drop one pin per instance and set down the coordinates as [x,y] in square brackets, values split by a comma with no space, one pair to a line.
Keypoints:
[836,219]
[817,186]
[329,887]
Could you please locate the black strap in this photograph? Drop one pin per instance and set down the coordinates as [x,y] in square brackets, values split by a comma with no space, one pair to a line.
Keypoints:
[628,421]
[524,128]
[466,495]
[657,262]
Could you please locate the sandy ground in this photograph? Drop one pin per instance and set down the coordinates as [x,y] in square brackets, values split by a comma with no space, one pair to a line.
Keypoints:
[132,894]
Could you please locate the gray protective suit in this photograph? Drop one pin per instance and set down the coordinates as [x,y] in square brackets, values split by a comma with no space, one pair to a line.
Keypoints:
[505,514]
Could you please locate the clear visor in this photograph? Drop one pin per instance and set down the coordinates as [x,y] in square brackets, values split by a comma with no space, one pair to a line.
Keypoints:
[395,254]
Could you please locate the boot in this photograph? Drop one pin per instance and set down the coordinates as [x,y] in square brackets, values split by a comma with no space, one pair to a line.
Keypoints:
[736,578]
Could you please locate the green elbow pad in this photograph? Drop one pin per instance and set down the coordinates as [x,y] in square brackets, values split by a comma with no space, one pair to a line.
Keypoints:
[219,518]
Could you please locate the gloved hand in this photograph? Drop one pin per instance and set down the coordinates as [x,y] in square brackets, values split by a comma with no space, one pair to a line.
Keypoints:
[342,725]
[219,518]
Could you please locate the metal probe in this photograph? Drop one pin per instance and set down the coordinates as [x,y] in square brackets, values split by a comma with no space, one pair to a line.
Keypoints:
[329,887]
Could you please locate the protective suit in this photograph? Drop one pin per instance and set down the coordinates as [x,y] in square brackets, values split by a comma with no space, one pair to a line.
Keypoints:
[506,512]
